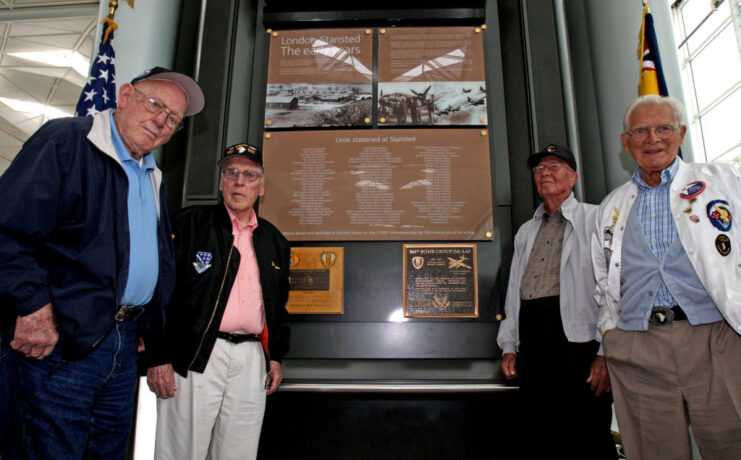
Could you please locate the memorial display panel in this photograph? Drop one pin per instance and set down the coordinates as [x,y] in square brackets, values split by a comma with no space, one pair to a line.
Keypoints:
[440,281]
[319,78]
[431,76]
[360,185]
[317,276]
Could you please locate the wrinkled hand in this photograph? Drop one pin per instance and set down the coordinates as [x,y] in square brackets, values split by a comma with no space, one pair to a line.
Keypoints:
[36,334]
[598,377]
[161,380]
[509,369]
[277,376]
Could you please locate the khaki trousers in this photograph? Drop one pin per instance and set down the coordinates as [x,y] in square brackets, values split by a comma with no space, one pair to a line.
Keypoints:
[218,414]
[673,376]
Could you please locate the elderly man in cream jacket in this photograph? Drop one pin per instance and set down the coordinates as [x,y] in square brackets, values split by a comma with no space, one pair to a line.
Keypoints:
[668,270]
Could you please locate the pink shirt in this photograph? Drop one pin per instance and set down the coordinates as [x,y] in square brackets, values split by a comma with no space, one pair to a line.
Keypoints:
[244,312]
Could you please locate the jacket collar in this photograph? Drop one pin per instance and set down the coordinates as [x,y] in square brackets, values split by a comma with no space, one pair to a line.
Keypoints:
[567,208]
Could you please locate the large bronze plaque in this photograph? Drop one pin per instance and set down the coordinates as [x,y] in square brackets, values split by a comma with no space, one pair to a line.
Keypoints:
[316,280]
[440,281]
[379,185]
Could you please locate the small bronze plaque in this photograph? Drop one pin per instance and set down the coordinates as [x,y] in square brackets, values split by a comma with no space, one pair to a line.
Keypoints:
[440,281]
[310,280]
[316,280]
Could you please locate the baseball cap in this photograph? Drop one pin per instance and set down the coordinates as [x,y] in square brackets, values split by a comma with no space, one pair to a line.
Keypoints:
[188,85]
[242,150]
[554,150]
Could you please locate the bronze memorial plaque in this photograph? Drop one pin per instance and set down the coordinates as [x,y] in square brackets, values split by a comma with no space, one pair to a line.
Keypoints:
[316,280]
[391,184]
[440,281]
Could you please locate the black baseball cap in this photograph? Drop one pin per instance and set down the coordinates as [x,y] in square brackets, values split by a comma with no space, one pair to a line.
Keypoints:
[241,150]
[188,85]
[553,150]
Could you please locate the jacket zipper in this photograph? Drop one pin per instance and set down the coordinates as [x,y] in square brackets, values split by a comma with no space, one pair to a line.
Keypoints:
[216,305]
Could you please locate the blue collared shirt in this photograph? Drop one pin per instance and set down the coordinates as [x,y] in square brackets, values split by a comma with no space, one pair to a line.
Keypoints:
[143,247]
[654,213]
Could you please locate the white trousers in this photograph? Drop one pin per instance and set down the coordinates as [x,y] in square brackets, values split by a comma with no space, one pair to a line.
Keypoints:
[218,414]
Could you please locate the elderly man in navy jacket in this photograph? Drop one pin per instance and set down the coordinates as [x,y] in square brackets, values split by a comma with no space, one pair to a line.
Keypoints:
[86,260]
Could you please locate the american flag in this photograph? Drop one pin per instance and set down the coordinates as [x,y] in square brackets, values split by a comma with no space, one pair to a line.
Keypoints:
[99,92]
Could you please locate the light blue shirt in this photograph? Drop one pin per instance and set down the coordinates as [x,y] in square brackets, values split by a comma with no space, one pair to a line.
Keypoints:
[143,248]
[655,216]
[656,270]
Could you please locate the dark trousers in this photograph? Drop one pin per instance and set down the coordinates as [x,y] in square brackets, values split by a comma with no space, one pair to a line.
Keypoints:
[79,409]
[562,415]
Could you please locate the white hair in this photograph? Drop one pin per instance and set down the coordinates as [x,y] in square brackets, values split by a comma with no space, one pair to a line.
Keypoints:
[676,107]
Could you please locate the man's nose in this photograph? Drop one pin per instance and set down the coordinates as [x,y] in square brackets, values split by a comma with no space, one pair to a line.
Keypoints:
[161,118]
[653,137]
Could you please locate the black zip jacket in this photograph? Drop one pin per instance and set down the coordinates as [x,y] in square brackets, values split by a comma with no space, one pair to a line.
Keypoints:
[194,314]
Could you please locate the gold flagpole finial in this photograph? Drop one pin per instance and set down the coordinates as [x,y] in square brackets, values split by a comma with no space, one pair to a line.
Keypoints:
[112,6]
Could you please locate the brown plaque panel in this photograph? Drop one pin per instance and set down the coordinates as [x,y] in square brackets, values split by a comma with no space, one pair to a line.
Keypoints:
[440,281]
[319,78]
[431,76]
[316,280]
[362,185]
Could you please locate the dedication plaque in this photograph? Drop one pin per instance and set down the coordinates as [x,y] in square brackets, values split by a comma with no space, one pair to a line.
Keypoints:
[391,184]
[316,280]
[431,76]
[319,78]
[440,281]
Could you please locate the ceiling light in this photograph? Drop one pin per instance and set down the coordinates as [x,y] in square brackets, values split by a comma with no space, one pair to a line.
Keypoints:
[34,108]
[58,58]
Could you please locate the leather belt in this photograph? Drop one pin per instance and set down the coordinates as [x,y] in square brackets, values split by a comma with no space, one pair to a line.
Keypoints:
[238,338]
[128,312]
[661,316]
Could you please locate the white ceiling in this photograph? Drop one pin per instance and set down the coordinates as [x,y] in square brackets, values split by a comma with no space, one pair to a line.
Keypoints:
[34,26]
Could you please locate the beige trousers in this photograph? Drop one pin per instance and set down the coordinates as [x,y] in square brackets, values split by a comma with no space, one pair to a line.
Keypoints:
[673,376]
[218,414]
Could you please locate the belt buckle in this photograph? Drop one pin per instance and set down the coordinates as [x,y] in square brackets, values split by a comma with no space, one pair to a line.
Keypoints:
[661,316]
[127,312]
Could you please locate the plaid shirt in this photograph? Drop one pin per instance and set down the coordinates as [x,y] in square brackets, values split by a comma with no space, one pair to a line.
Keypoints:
[655,215]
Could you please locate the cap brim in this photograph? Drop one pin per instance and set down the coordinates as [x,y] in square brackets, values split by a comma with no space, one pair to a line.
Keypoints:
[196,101]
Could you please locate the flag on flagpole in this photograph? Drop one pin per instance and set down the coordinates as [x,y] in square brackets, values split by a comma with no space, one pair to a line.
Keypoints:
[99,92]
[652,74]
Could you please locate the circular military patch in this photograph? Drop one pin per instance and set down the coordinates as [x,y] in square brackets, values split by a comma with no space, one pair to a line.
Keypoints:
[723,244]
[719,212]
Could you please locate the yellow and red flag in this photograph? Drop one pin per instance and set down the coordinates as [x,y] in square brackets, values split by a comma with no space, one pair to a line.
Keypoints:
[652,74]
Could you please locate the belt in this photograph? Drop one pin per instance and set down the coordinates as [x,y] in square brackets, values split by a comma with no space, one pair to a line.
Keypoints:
[238,338]
[666,315]
[128,312]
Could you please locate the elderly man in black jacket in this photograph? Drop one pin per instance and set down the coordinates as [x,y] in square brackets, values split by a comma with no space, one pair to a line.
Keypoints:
[219,361]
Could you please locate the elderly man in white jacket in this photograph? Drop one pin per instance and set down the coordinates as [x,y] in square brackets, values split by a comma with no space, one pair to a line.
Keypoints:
[549,337]
[668,270]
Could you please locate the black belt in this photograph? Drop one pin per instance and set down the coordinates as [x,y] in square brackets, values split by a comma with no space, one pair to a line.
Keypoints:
[238,338]
[666,315]
[128,312]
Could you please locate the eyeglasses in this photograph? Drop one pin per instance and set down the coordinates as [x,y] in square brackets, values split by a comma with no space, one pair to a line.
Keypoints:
[250,175]
[156,106]
[641,133]
[552,167]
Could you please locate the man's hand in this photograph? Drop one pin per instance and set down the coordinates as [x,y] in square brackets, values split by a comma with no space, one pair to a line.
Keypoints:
[598,377]
[161,380]
[509,360]
[36,334]
[275,376]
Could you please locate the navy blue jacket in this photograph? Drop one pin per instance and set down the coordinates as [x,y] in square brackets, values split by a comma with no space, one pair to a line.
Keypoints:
[64,233]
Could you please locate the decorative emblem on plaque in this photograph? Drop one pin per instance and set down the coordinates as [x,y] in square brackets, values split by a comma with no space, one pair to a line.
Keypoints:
[418,262]
[328,259]
[294,259]
[440,302]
